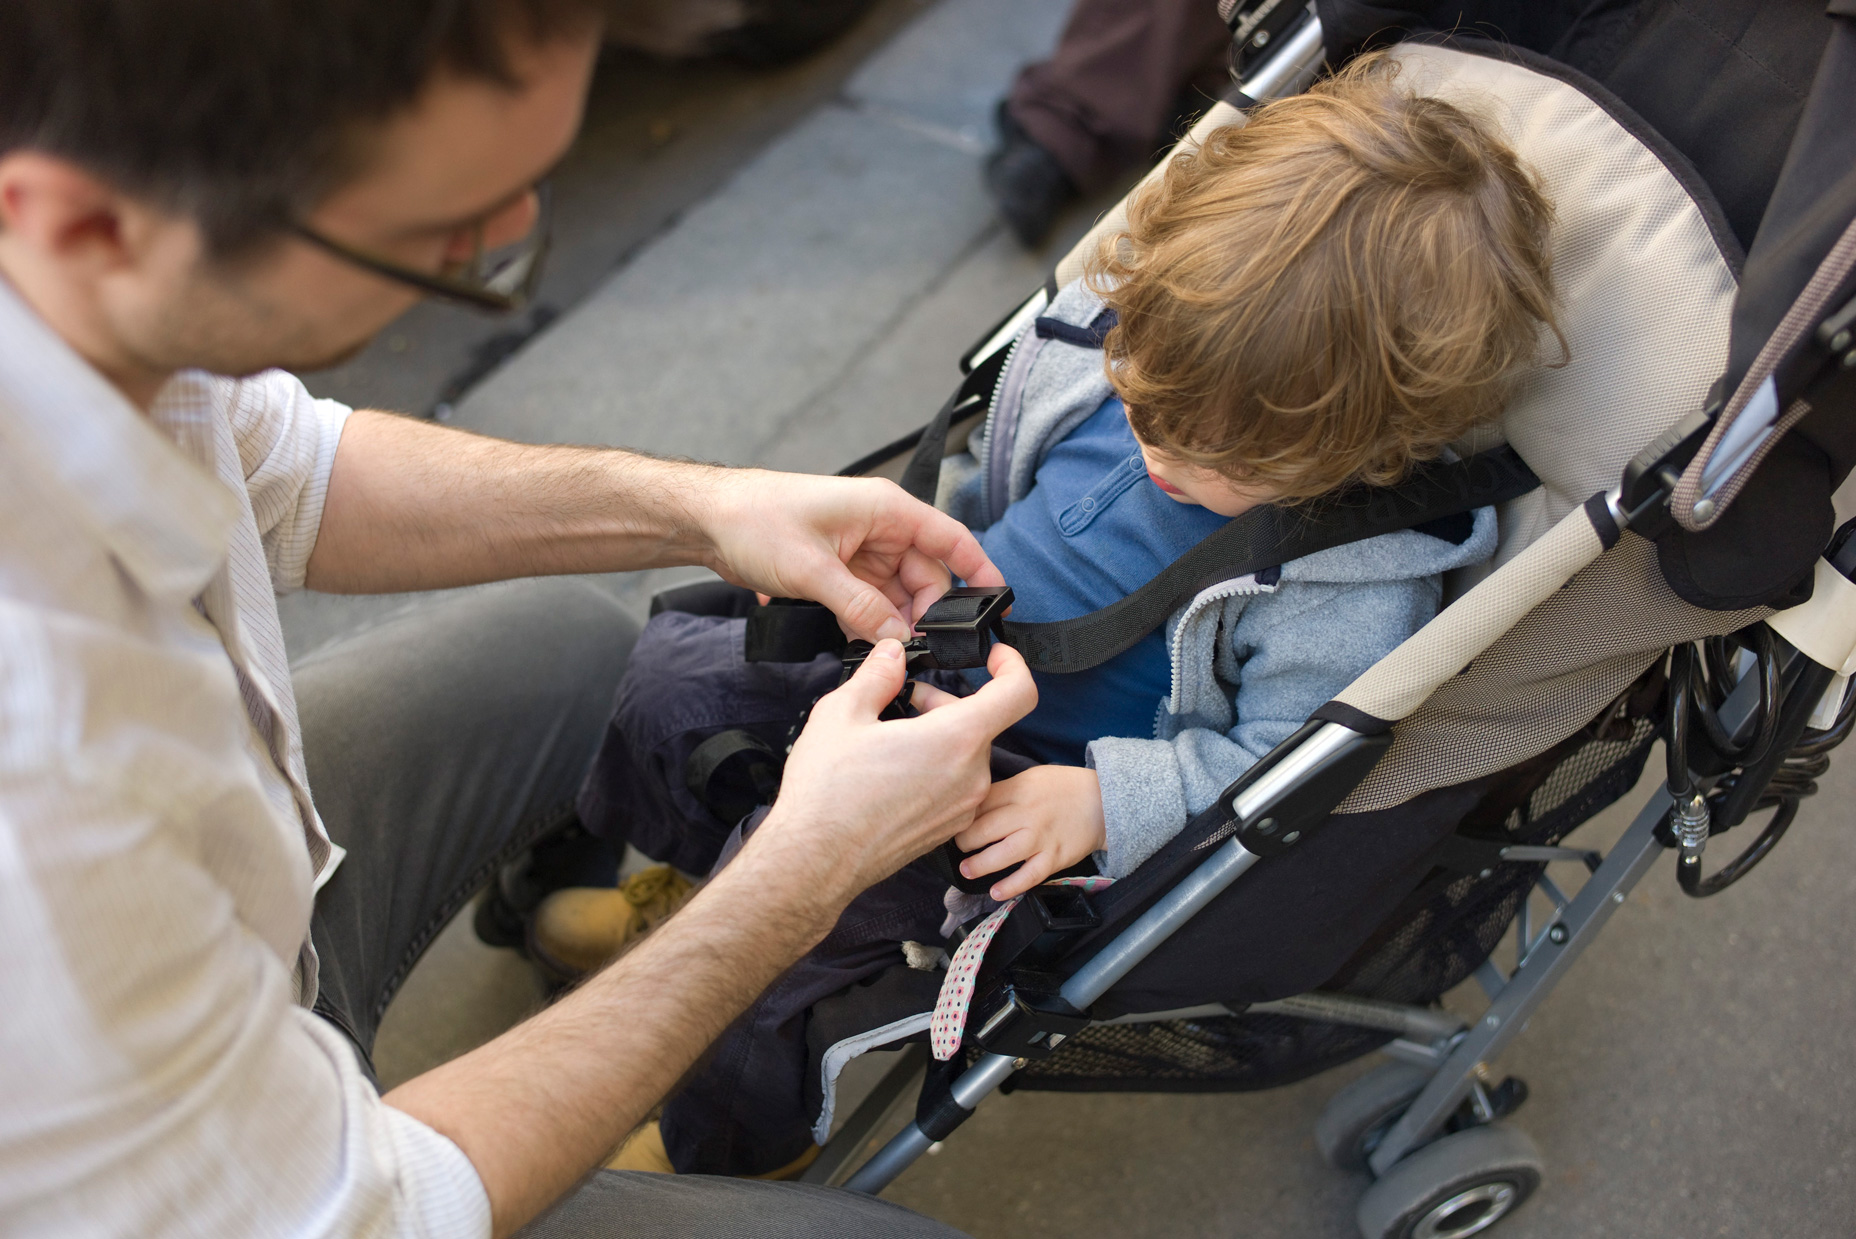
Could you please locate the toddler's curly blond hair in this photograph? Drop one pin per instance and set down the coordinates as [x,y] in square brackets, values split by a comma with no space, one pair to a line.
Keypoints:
[1330,292]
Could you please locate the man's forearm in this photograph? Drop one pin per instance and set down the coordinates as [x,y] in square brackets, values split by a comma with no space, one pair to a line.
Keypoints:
[415,506]
[536,1107]
[540,1105]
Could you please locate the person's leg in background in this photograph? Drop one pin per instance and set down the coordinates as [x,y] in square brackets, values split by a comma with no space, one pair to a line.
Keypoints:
[1103,104]
[441,741]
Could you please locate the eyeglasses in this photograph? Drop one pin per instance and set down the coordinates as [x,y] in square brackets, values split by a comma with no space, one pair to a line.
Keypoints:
[503,279]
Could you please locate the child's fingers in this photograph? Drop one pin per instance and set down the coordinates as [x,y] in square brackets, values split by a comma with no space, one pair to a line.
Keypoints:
[1028,875]
[1010,792]
[990,824]
[1017,846]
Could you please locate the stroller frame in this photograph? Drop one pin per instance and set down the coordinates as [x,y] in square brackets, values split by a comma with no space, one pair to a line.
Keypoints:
[1301,783]
[1455,1050]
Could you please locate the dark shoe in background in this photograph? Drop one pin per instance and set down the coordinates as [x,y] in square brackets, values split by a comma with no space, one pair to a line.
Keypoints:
[1026,183]
[568,857]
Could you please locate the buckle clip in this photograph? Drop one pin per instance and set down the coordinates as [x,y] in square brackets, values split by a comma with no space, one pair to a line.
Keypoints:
[1029,1024]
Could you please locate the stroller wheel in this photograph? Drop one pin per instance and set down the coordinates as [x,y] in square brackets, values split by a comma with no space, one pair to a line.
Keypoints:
[1354,1120]
[1458,1186]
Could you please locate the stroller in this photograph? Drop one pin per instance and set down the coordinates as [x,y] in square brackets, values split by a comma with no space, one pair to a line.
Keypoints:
[1674,574]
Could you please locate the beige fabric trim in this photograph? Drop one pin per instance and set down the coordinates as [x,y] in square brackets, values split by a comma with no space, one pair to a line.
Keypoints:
[1070,267]
[1548,676]
[1825,627]
[1645,296]
[1398,683]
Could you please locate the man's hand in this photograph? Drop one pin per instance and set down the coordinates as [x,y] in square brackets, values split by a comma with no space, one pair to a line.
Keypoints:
[537,1107]
[861,798]
[1049,817]
[861,546]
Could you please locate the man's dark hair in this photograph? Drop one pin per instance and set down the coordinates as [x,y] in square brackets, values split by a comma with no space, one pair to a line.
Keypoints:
[238,112]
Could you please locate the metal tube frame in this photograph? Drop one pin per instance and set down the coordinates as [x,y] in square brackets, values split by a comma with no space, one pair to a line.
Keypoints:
[1223,866]
[1292,66]
[1428,1037]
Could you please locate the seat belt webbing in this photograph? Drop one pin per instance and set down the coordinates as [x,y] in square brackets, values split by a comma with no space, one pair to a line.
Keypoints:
[1265,537]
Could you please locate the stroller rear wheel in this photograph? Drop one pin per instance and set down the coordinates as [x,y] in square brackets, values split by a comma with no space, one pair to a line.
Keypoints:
[1458,1186]
[1354,1120]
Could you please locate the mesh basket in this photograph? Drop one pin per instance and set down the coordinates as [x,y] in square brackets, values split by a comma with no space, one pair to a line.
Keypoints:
[1439,935]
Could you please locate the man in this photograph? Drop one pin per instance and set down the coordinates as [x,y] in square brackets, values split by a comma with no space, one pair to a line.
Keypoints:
[191,188]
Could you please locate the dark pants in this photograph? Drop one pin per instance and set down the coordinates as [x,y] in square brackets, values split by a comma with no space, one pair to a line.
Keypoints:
[1102,102]
[749,1107]
[443,740]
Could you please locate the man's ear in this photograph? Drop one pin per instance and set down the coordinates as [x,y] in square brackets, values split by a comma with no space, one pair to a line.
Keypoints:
[66,214]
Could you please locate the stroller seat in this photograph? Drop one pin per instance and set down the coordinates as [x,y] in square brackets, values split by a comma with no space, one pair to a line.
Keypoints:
[1647,270]
[1401,833]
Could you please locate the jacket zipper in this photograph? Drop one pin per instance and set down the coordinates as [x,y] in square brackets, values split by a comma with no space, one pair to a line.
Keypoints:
[1246,584]
[993,510]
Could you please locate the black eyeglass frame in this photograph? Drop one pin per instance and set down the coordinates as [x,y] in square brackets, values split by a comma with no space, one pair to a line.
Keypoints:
[478,288]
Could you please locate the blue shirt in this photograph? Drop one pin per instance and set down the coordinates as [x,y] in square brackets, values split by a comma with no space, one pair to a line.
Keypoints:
[1093,529]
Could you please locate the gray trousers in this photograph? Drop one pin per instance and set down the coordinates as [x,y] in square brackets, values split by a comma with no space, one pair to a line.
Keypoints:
[443,740]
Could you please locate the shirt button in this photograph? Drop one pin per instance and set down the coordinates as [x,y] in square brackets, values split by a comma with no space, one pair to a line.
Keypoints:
[1089,505]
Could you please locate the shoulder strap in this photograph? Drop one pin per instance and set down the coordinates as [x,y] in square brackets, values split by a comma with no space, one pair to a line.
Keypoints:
[1260,538]
[1266,536]
[975,392]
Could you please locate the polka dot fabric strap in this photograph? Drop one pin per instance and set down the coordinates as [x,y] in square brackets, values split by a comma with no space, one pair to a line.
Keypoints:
[950,1009]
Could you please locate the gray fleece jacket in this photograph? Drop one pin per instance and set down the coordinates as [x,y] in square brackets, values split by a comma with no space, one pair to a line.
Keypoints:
[1250,660]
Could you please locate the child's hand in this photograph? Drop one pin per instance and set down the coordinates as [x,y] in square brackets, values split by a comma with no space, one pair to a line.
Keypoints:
[1050,817]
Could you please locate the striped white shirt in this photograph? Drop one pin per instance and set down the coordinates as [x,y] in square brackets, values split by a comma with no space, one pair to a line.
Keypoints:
[160,1070]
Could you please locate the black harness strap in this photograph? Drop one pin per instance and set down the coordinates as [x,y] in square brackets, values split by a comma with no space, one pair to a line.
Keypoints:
[733,772]
[923,474]
[791,630]
[1265,537]
[1260,539]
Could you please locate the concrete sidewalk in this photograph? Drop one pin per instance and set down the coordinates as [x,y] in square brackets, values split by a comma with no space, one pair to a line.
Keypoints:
[1689,1078]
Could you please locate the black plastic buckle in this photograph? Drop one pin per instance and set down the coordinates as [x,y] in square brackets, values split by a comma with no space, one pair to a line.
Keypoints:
[957,632]
[959,629]
[1041,928]
[1029,1024]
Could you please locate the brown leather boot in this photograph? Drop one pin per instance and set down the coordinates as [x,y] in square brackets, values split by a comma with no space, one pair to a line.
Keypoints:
[579,930]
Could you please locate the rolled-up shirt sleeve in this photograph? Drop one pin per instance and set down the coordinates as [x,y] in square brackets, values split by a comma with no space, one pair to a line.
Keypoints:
[286,444]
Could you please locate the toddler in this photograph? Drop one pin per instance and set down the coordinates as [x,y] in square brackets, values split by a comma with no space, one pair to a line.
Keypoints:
[1314,299]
